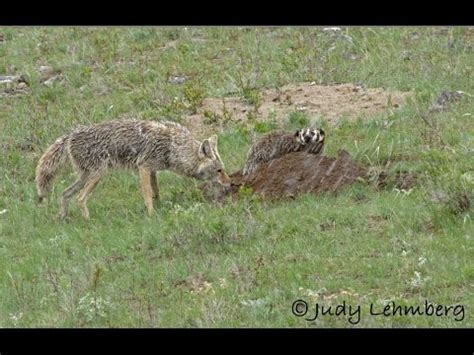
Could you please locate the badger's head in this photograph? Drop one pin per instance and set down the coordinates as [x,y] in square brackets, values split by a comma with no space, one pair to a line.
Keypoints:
[316,135]
[307,135]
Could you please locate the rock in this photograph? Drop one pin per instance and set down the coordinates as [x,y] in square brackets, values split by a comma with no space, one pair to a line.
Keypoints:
[6,79]
[14,84]
[176,79]
[445,99]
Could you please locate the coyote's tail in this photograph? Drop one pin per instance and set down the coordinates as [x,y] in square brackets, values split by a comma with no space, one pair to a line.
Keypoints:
[48,166]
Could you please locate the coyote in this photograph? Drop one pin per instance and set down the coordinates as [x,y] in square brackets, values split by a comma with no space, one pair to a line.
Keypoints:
[275,144]
[145,146]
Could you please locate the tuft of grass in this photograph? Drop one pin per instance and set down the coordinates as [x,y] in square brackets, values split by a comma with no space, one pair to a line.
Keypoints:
[253,97]
[194,95]
[297,119]
[264,126]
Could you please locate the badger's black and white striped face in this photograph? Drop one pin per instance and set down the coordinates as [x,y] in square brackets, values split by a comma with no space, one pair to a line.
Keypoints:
[307,135]
[317,135]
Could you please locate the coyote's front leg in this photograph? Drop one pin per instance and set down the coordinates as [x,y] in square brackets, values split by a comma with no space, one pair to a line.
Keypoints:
[154,186]
[147,190]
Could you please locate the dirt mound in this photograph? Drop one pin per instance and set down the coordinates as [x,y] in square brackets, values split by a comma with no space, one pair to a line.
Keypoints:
[331,102]
[300,172]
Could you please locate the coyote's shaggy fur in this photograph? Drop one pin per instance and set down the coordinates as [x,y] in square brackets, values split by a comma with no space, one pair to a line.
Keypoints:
[145,146]
[275,144]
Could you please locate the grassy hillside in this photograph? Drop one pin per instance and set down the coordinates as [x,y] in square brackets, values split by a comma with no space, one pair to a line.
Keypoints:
[196,264]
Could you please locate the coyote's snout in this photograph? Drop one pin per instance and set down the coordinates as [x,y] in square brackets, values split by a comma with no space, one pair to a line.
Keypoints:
[144,146]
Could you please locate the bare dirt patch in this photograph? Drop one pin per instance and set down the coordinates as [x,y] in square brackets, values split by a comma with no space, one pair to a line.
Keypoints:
[329,102]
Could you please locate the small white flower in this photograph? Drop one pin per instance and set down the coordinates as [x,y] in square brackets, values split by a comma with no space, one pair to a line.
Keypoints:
[421,260]
[383,301]
[91,307]
[466,217]
[56,239]
[15,318]
[223,282]
[313,293]
[254,303]
[468,177]
[417,281]
[331,29]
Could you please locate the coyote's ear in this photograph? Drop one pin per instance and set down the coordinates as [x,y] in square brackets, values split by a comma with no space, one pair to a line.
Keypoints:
[205,150]
[213,141]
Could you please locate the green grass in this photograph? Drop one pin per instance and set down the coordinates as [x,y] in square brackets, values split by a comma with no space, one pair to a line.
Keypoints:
[195,264]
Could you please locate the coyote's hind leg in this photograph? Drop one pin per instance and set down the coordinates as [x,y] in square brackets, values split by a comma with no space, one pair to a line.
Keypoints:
[71,191]
[90,184]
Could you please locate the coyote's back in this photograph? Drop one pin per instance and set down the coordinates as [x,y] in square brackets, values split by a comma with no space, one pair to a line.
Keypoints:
[145,146]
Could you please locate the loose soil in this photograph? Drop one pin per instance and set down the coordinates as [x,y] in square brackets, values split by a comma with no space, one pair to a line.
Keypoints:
[300,172]
[331,102]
